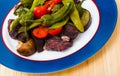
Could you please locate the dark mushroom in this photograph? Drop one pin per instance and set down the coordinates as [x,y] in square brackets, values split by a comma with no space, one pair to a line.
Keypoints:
[27,49]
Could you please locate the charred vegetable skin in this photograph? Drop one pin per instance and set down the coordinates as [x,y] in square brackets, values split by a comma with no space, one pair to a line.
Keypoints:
[86,19]
[84,14]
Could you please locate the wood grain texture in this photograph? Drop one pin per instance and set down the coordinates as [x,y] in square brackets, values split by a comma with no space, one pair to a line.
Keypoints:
[105,63]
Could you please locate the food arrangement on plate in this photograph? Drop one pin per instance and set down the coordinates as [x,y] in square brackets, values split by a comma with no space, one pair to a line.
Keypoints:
[47,24]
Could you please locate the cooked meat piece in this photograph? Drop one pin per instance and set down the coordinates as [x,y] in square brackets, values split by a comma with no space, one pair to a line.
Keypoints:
[65,38]
[27,49]
[70,31]
[9,22]
[56,44]
[14,32]
[39,43]
[22,37]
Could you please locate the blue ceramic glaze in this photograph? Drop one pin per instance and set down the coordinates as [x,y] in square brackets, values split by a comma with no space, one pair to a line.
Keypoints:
[108,18]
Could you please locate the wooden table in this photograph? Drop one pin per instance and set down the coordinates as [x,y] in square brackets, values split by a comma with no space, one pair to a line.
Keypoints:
[105,63]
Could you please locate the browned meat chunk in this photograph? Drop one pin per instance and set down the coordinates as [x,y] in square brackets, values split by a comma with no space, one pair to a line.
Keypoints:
[55,43]
[70,31]
[39,43]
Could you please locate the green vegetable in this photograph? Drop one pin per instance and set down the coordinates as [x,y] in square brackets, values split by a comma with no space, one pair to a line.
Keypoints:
[33,25]
[74,15]
[14,23]
[36,3]
[80,8]
[29,15]
[59,15]
[59,24]
[27,3]
[56,8]
[18,9]
[85,17]
[48,20]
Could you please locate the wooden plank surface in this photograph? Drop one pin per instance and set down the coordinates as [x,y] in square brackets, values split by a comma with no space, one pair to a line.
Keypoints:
[105,63]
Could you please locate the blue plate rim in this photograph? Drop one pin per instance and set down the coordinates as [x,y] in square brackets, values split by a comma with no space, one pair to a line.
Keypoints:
[19,64]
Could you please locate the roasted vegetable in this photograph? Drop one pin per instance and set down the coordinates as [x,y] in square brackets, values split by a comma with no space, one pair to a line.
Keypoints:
[13,34]
[14,23]
[26,3]
[56,31]
[56,8]
[27,49]
[51,3]
[79,7]
[86,18]
[59,24]
[29,15]
[74,15]
[40,11]
[48,20]
[36,3]
[39,43]
[47,24]
[19,10]
[53,18]
[40,32]
[22,20]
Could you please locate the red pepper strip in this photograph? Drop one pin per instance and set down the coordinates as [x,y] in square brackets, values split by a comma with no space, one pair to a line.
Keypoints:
[55,31]
[57,1]
[50,4]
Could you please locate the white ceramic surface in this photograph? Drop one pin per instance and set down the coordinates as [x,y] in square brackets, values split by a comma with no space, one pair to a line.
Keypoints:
[79,42]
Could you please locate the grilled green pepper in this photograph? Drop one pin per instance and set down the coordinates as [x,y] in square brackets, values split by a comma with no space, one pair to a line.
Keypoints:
[29,15]
[14,23]
[48,20]
[59,15]
[26,3]
[74,15]
[56,8]
[59,24]
[36,3]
